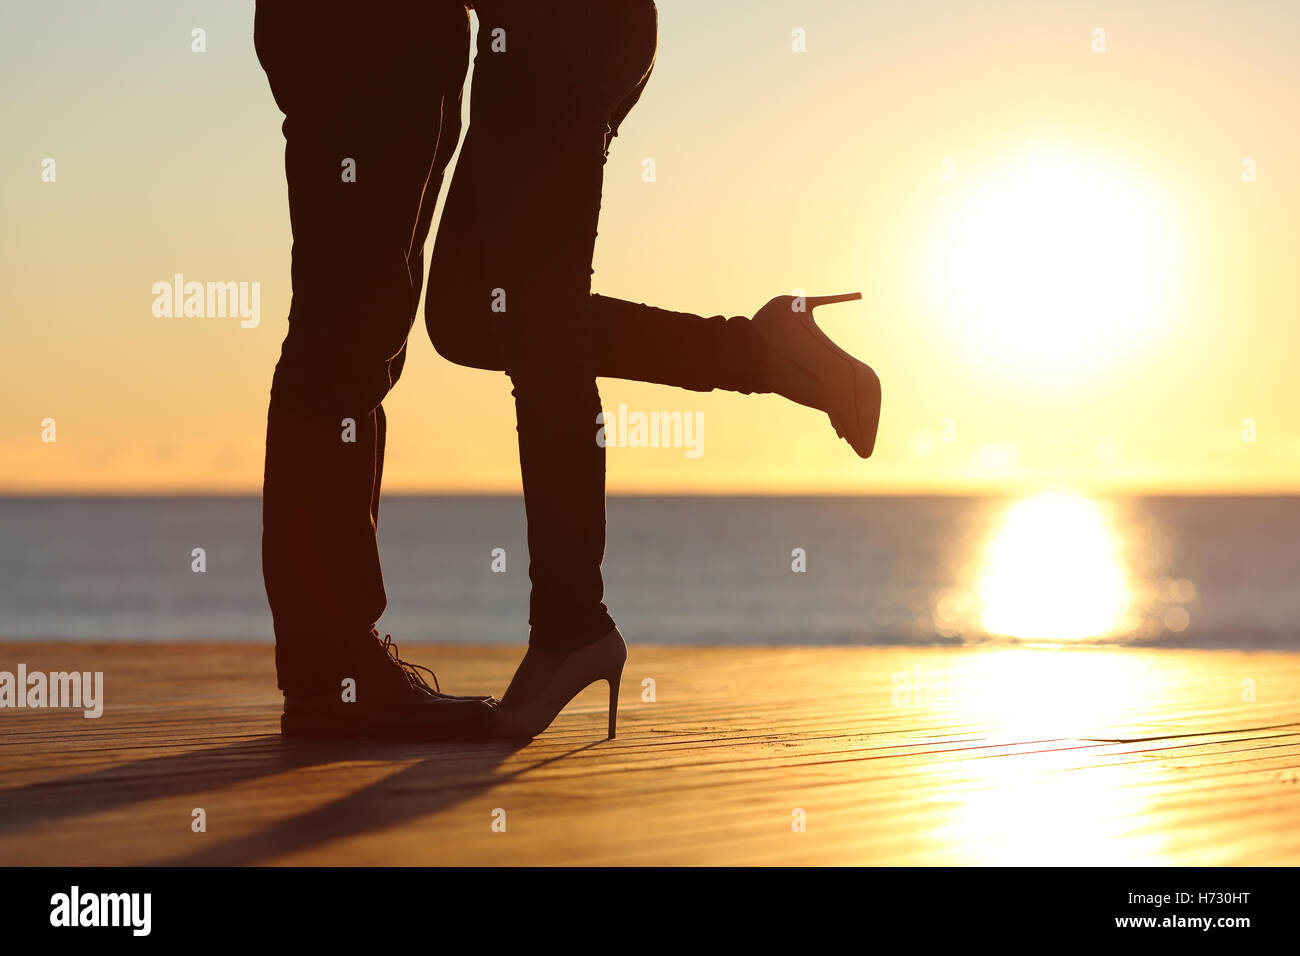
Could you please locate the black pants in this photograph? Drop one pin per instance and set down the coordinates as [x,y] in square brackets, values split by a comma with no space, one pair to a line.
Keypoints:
[381,86]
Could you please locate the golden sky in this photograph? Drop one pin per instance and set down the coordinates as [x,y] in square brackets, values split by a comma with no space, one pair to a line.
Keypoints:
[1069,276]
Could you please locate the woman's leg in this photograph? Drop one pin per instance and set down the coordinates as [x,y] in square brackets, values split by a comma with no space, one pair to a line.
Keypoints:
[526,197]
[631,340]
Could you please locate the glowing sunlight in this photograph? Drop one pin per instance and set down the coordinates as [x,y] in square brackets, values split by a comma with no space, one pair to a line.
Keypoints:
[1045,803]
[1052,572]
[1056,261]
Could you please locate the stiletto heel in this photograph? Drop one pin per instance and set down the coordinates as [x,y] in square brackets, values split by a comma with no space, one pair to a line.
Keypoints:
[807,367]
[614,681]
[545,683]
[812,301]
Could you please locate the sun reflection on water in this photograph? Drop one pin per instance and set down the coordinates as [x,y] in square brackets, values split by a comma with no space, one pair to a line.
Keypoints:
[1052,782]
[1054,572]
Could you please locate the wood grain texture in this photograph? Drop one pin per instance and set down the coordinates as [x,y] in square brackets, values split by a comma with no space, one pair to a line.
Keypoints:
[894,756]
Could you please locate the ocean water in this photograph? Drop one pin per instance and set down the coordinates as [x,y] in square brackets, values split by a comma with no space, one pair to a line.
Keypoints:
[1152,571]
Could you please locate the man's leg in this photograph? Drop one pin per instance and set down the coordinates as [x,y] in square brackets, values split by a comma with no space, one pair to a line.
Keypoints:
[371,98]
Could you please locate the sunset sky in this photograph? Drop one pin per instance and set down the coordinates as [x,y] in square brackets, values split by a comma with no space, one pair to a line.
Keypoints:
[1067,279]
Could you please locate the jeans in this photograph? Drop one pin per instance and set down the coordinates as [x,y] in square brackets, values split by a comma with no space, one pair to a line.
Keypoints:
[381,87]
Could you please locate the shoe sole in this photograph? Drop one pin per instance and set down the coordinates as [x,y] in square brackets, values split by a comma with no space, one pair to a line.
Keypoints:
[324,727]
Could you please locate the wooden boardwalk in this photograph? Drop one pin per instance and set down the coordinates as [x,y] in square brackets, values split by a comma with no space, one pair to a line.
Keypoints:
[889,756]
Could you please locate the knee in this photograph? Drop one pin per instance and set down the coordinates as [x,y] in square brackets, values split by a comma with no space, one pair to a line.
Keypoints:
[447,339]
[461,342]
[329,378]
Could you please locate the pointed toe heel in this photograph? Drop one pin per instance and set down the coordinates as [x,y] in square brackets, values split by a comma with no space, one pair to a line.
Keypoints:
[809,368]
[568,676]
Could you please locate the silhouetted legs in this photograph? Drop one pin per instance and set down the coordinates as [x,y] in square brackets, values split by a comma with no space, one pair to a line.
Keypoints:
[379,86]
[510,284]
[379,89]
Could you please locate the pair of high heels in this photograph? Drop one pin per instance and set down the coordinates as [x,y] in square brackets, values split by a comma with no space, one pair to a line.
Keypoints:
[804,365]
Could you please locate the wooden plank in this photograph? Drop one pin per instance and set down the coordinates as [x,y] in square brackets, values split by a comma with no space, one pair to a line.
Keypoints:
[894,755]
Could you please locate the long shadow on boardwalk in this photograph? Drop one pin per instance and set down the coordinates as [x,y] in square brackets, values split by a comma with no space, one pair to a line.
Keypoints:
[447,775]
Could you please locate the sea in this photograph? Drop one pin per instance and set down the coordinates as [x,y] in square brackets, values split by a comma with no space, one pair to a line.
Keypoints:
[1054,567]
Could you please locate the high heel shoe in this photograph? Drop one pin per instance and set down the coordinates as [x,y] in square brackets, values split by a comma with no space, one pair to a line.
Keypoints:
[546,682]
[807,367]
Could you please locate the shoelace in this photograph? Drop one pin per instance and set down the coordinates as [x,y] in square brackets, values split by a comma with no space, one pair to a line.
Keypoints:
[412,671]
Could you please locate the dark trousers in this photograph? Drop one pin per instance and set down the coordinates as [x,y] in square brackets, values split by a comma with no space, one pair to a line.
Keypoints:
[381,86]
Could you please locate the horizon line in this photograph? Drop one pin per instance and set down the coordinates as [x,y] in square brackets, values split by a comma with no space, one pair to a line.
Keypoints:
[884,492]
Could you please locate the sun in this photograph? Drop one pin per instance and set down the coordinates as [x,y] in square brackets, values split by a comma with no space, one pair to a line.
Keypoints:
[1054,260]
